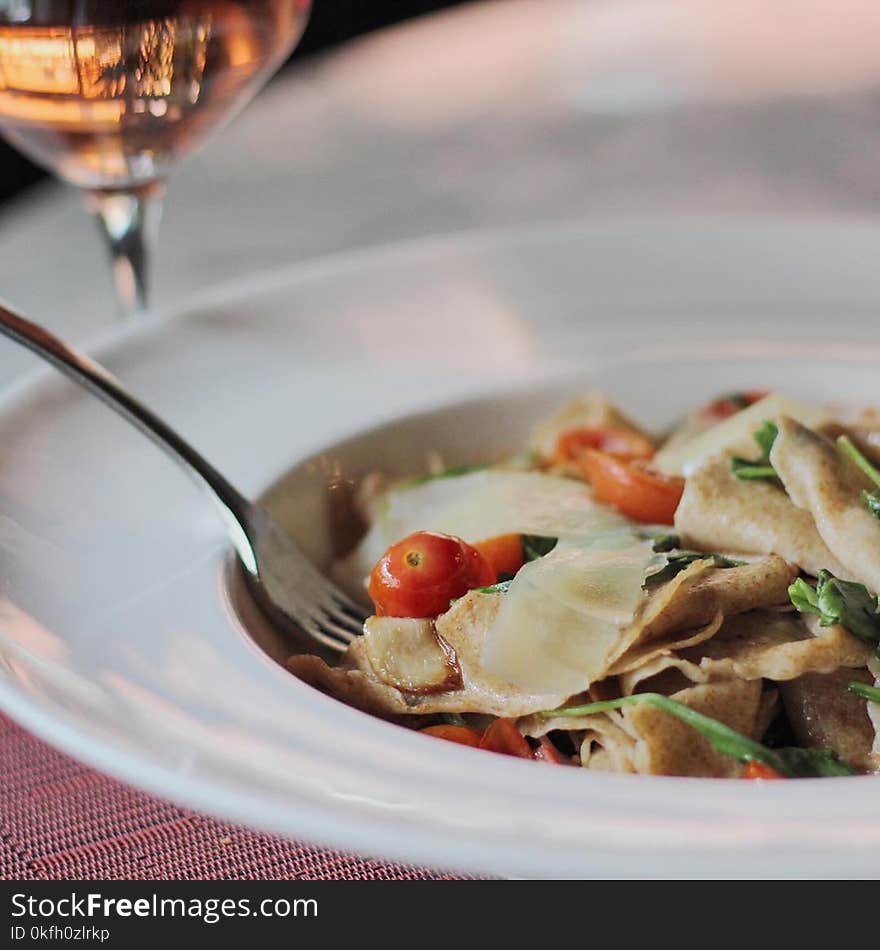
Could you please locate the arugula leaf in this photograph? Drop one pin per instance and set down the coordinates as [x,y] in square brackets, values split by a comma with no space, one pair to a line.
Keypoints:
[748,471]
[871,499]
[452,719]
[679,560]
[871,693]
[454,472]
[837,601]
[812,763]
[499,588]
[804,597]
[765,437]
[792,763]
[664,542]
[534,546]
[759,467]
[872,502]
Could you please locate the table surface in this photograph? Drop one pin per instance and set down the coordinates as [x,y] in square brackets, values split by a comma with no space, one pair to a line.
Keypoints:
[424,129]
[62,821]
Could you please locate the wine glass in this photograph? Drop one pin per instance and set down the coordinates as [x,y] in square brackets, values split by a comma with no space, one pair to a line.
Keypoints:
[109,96]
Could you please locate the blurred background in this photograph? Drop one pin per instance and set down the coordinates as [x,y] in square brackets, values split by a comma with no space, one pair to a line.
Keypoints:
[331,24]
[397,121]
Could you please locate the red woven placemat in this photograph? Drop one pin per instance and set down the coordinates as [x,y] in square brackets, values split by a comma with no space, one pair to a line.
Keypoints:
[62,820]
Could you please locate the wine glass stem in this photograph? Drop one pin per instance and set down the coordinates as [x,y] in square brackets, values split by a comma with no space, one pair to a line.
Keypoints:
[129,221]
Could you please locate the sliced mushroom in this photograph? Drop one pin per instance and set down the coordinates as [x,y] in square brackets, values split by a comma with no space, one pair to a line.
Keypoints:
[461,630]
[409,655]
[682,612]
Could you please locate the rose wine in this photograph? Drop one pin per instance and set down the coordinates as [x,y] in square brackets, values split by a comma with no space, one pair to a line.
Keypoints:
[108,94]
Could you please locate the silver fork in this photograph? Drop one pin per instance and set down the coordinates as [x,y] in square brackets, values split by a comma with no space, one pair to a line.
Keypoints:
[290,590]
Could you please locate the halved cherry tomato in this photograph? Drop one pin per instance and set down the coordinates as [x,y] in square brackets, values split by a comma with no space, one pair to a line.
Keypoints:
[631,488]
[418,576]
[547,752]
[622,443]
[460,734]
[727,406]
[504,553]
[503,736]
[759,770]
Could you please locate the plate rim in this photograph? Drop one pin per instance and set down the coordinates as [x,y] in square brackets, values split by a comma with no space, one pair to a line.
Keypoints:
[151,776]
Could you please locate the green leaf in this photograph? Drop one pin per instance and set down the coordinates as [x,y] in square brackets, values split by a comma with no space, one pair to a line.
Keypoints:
[664,542]
[759,467]
[677,561]
[849,604]
[534,546]
[870,499]
[871,693]
[804,597]
[872,502]
[745,470]
[793,763]
[452,719]
[765,437]
[812,763]
[847,446]
[837,601]
[499,588]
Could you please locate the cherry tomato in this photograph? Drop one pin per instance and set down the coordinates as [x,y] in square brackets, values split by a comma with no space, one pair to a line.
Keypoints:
[727,406]
[420,575]
[759,770]
[631,488]
[460,734]
[503,736]
[547,752]
[622,443]
[504,553]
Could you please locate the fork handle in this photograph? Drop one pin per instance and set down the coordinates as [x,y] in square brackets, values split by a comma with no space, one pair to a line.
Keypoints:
[236,510]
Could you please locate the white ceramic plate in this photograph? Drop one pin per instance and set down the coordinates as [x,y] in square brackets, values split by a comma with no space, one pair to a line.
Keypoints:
[118,642]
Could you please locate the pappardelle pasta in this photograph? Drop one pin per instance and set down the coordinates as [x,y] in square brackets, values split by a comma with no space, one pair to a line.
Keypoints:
[702,604]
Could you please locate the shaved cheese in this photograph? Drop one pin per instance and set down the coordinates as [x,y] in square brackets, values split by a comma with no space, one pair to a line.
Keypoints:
[735,434]
[560,625]
[481,505]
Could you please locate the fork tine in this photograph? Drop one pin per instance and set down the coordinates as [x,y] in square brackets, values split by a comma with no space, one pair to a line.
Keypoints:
[346,633]
[338,605]
[343,614]
[317,632]
[346,602]
[293,585]
[329,592]
[326,613]
[330,613]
